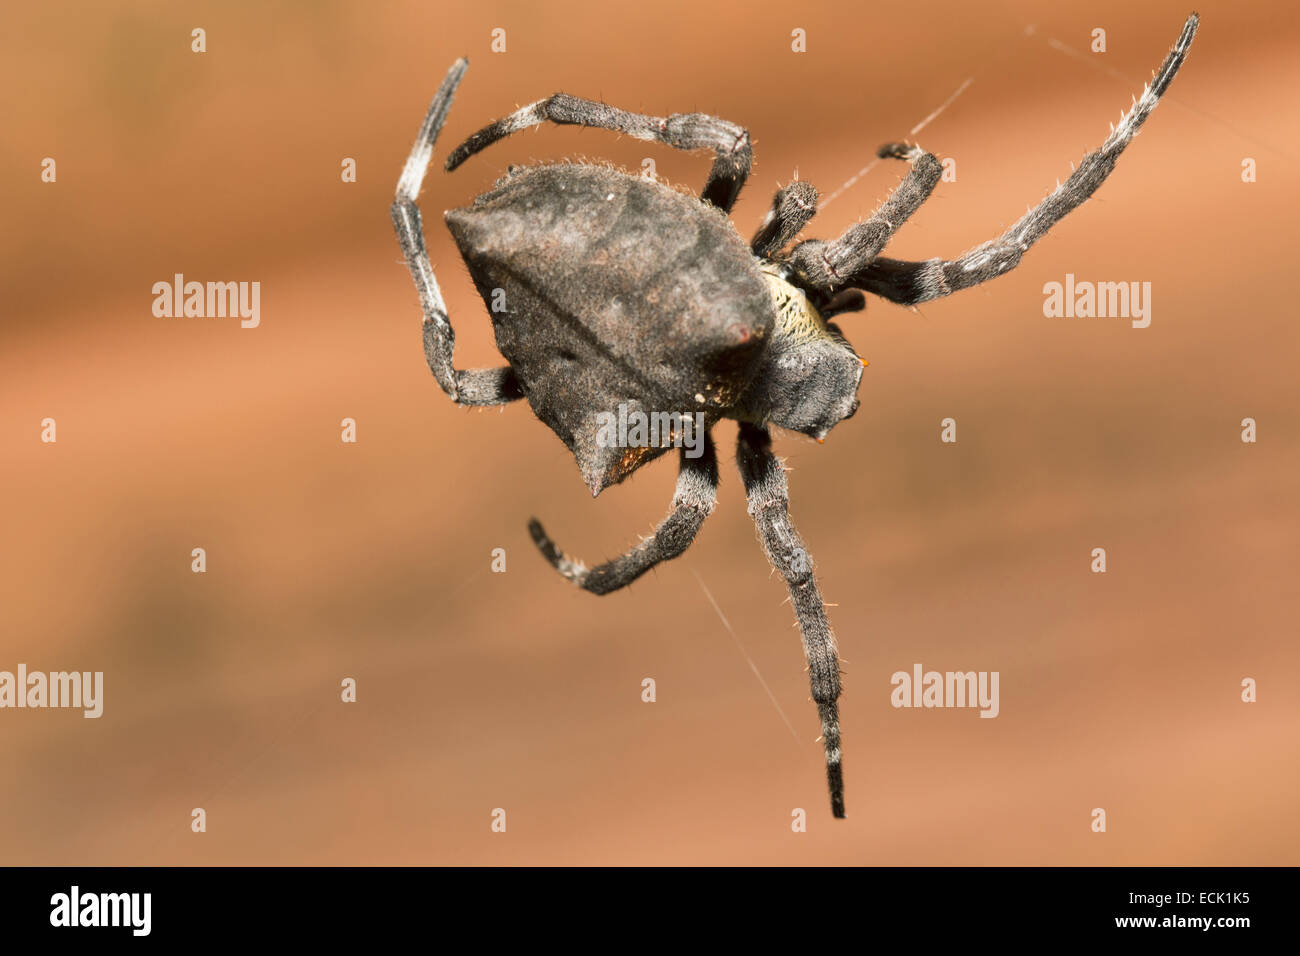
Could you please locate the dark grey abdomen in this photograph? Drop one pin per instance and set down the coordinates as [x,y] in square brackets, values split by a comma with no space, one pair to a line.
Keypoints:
[617,290]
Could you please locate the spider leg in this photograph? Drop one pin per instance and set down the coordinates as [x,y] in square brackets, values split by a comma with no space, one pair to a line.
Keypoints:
[792,208]
[846,300]
[827,266]
[485,386]
[697,490]
[769,501]
[913,282]
[686,131]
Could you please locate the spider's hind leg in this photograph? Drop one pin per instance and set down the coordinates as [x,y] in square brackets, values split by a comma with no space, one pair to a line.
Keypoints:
[769,502]
[733,154]
[484,386]
[697,491]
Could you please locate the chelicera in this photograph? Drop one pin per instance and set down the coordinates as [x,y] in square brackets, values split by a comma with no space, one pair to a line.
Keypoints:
[611,293]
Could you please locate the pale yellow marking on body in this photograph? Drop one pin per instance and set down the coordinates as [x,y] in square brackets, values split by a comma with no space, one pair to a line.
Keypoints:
[797,319]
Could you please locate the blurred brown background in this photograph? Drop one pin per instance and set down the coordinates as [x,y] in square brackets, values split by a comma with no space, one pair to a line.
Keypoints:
[481,690]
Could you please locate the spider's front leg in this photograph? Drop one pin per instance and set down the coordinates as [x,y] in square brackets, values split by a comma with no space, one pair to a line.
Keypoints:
[829,266]
[484,386]
[911,283]
[792,208]
[697,492]
[769,501]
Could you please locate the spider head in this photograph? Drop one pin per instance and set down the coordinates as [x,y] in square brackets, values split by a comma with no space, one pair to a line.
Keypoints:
[808,378]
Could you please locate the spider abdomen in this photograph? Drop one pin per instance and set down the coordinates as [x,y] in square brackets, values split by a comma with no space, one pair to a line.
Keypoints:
[608,290]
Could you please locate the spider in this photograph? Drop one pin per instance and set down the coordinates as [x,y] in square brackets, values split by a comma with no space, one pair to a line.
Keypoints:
[610,291]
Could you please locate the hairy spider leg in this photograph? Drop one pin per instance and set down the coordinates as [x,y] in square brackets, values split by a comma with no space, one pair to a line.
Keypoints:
[686,131]
[769,502]
[792,209]
[828,266]
[911,283]
[481,386]
[697,492]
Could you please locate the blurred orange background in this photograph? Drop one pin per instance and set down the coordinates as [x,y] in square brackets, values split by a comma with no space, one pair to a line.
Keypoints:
[479,690]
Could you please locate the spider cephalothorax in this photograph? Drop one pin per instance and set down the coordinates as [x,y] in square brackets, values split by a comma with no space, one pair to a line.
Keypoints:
[614,297]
